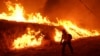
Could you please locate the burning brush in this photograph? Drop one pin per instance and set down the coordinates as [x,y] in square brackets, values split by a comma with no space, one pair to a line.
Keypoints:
[34,38]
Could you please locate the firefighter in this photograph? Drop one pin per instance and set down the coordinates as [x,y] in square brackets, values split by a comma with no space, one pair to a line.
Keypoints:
[66,40]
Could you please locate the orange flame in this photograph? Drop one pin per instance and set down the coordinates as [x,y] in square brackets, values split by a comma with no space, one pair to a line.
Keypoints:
[28,39]
[58,35]
[77,31]
[16,13]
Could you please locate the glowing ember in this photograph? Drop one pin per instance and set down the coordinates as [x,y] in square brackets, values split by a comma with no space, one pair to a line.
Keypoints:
[28,39]
[16,13]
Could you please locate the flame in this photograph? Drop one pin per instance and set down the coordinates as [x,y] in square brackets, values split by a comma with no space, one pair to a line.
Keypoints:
[58,35]
[28,39]
[77,31]
[17,13]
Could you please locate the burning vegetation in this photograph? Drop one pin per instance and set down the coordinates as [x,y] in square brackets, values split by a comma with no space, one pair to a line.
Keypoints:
[28,39]
[33,38]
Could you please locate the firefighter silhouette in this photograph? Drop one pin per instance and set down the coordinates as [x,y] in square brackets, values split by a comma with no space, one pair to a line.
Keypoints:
[66,40]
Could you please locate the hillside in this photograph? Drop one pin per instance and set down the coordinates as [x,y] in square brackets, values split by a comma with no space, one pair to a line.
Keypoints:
[89,46]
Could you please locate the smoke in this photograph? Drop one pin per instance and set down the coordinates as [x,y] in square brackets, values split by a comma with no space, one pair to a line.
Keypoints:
[50,5]
[80,12]
[33,5]
[29,5]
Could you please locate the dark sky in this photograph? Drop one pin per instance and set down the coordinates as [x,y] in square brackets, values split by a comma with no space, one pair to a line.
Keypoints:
[86,13]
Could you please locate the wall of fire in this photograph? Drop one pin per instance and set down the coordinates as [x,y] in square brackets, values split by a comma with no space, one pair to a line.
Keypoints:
[10,30]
